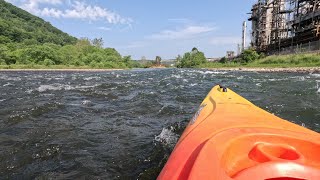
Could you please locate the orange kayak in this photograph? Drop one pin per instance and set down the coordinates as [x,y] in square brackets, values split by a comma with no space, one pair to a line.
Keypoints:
[231,138]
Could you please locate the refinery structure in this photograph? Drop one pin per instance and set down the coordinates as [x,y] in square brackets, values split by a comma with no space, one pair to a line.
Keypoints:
[285,24]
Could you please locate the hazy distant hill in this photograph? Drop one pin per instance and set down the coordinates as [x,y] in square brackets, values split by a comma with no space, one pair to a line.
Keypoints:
[17,25]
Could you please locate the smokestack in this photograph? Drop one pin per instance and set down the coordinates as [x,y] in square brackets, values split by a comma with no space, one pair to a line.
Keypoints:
[244,32]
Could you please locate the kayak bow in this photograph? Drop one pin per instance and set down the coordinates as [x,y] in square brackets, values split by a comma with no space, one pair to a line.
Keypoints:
[231,138]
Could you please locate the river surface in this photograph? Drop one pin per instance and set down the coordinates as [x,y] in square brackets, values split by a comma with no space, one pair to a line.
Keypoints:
[124,124]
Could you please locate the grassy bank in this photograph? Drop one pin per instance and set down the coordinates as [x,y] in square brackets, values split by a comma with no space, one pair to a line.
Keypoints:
[281,61]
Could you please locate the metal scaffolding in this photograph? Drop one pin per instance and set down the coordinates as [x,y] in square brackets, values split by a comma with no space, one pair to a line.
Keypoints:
[279,24]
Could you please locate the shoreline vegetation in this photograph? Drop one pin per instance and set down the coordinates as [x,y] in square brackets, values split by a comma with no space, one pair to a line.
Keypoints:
[244,69]
[270,69]
[300,63]
[28,42]
[274,61]
[249,61]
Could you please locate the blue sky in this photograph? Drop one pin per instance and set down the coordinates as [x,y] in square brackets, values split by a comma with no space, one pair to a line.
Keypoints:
[148,28]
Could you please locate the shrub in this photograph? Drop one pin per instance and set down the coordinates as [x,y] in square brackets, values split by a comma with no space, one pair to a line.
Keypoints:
[192,59]
[262,55]
[223,60]
[249,55]
[48,62]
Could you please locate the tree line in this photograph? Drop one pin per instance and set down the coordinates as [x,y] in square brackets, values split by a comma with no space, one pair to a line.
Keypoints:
[83,53]
[29,40]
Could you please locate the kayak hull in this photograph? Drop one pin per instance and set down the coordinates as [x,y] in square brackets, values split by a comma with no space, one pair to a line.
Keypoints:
[230,138]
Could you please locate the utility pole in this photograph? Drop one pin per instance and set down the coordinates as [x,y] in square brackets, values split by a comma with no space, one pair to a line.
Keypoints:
[244,31]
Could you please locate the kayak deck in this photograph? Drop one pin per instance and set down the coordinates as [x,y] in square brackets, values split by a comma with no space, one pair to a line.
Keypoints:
[231,138]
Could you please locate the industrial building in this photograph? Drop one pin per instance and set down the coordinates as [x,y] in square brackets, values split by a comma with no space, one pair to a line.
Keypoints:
[284,24]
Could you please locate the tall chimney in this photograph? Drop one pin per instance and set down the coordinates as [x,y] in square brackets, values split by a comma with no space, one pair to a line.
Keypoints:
[244,32]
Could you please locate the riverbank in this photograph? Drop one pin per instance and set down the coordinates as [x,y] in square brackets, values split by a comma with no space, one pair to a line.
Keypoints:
[309,62]
[244,69]
[270,70]
[54,68]
[62,70]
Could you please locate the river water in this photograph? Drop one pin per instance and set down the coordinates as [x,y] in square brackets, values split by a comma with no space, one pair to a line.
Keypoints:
[124,124]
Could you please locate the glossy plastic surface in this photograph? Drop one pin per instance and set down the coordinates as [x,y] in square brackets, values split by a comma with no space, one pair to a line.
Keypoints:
[230,138]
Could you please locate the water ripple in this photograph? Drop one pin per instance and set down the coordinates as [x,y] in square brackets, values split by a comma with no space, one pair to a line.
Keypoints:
[123,124]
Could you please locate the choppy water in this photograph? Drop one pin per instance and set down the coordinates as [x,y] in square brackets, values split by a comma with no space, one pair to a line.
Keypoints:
[123,124]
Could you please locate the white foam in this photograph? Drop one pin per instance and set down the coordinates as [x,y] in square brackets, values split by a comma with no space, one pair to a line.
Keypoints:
[281,79]
[315,75]
[176,76]
[85,87]
[210,72]
[58,87]
[167,137]
[318,86]
[5,77]
[299,78]
[216,72]
[91,78]
[44,88]
[240,77]
[29,91]
[85,102]
[8,84]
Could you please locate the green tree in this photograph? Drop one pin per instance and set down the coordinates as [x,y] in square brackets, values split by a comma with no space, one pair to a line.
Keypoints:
[126,59]
[194,50]
[4,39]
[37,54]
[97,42]
[3,54]
[223,60]
[178,61]
[192,59]
[29,40]
[249,55]
[69,54]
[48,62]
[158,61]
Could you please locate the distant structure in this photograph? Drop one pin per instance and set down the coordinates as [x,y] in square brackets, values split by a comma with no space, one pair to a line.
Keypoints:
[278,24]
[168,62]
[158,61]
[230,54]
[244,33]
[239,50]
[213,59]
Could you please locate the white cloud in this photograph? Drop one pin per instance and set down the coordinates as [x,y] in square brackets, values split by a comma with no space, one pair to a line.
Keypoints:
[10,1]
[51,12]
[184,33]
[226,40]
[73,10]
[81,10]
[104,28]
[33,5]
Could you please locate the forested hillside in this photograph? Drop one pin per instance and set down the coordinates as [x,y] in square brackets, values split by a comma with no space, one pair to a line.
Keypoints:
[28,41]
[17,25]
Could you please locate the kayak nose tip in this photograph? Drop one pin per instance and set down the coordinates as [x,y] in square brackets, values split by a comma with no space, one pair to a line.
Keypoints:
[223,88]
